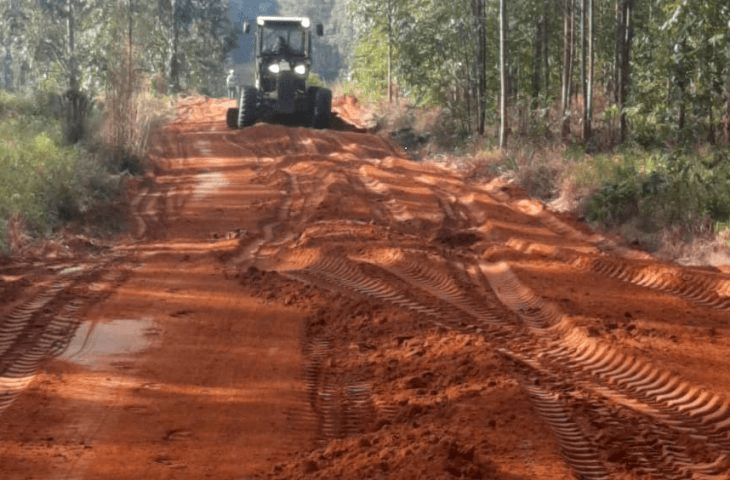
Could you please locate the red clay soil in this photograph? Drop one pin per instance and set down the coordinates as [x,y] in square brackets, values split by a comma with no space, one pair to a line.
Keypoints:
[295,303]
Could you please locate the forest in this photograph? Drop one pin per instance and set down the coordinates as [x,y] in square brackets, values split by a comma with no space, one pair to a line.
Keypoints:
[621,106]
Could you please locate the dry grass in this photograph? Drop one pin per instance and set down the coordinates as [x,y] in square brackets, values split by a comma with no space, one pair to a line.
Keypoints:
[131,115]
[17,238]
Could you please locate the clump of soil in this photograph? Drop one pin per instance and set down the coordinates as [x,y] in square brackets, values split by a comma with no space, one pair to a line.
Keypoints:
[439,404]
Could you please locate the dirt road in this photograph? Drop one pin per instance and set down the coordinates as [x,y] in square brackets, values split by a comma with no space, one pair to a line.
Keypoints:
[312,304]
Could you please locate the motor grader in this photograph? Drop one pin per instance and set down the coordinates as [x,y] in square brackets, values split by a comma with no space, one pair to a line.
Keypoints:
[283,55]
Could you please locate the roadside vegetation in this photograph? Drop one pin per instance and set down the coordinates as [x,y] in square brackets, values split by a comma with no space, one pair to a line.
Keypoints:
[48,186]
[672,200]
[38,178]
[618,112]
[83,85]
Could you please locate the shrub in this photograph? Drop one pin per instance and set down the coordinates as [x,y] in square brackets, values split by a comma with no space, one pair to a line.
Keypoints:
[11,104]
[673,189]
[539,181]
[38,172]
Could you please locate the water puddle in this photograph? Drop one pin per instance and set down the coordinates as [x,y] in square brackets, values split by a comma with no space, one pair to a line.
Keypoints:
[96,345]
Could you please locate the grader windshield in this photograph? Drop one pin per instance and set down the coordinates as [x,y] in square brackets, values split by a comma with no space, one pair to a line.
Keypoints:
[284,38]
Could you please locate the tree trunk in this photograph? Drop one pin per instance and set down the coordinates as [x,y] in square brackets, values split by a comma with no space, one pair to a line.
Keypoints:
[726,120]
[567,67]
[537,61]
[573,49]
[73,74]
[711,118]
[479,14]
[545,45]
[7,57]
[390,84]
[680,120]
[588,76]
[7,69]
[129,53]
[483,65]
[618,48]
[502,74]
[390,51]
[625,77]
[173,61]
[75,102]
[582,40]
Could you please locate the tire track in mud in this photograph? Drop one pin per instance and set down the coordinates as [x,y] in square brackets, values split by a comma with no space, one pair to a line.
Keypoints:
[607,258]
[42,326]
[704,289]
[422,240]
[660,397]
[16,371]
[614,434]
[623,379]
[581,454]
[160,198]
[341,408]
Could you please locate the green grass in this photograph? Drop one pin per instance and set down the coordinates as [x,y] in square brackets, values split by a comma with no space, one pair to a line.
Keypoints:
[37,179]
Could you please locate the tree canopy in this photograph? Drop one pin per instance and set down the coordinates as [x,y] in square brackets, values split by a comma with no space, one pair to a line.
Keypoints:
[62,44]
[654,64]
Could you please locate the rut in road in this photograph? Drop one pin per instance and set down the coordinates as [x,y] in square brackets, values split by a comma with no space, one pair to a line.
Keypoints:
[351,214]
[42,323]
[358,218]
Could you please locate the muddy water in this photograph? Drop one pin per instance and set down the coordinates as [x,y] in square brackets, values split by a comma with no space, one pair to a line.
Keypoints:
[95,345]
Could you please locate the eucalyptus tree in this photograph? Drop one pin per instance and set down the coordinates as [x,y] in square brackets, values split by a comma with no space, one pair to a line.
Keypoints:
[698,34]
[381,16]
[624,38]
[65,42]
[439,51]
[503,73]
[642,61]
[567,76]
[176,15]
[62,38]
[535,45]
[480,25]
[198,35]
[211,38]
[540,80]
[16,59]
[587,67]
[679,75]
[60,23]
